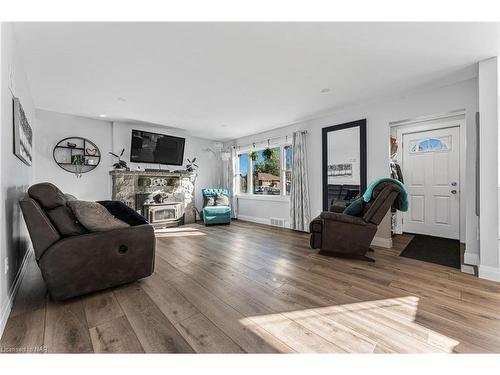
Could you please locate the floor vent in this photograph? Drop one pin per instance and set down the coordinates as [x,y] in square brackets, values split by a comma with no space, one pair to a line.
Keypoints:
[277,222]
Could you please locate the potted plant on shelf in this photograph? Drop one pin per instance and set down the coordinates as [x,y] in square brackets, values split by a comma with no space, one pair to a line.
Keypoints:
[254,155]
[78,161]
[191,167]
[267,153]
[120,164]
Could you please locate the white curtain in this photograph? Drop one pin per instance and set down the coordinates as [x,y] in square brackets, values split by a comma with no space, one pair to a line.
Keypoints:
[300,215]
[233,177]
[230,178]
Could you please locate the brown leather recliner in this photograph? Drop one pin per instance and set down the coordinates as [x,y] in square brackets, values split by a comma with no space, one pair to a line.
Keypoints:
[72,260]
[337,234]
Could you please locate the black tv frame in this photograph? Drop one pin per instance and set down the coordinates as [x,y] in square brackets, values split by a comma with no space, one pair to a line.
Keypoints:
[160,134]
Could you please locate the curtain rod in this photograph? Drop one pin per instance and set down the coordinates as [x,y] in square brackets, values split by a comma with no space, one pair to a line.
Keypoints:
[268,140]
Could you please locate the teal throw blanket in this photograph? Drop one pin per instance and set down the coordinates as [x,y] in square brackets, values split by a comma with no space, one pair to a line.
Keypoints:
[402,201]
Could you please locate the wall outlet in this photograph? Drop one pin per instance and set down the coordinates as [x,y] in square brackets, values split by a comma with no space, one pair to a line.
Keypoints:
[6,265]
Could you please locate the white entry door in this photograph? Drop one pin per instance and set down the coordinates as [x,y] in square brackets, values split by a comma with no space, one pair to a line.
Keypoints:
[431,171]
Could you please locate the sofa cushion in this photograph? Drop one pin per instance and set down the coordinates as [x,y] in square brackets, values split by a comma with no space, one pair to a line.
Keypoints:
[65,221]
[210,201]
[355,208]
[217,210]
[95,217]
[70,197]
[123,212]
[53,202]
[47,195]
[222,200]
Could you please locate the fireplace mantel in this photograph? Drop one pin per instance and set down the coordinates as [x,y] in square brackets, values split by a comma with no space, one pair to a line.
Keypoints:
[179,186]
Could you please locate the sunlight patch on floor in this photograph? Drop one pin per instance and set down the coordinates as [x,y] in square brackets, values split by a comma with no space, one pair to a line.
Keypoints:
[357,327]
[178,232]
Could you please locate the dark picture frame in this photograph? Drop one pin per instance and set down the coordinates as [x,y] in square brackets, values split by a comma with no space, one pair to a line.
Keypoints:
[23,133]
[362,157]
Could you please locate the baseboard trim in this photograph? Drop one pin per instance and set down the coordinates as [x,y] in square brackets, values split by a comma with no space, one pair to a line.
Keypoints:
[489,273]
[7,307]
[253,219]
[260,220]
[382,242]
[471,258]
[466,268]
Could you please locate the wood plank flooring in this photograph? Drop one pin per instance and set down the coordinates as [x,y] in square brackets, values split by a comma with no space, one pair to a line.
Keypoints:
[259,289]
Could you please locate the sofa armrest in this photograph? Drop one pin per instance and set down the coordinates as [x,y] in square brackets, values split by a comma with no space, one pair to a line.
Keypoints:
[41,230]
[81,264]
[348,219]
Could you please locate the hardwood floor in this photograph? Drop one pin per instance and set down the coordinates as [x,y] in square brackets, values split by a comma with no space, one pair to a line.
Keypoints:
[258,289]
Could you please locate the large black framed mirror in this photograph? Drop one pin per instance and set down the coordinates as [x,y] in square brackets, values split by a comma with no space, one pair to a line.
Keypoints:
[344,164]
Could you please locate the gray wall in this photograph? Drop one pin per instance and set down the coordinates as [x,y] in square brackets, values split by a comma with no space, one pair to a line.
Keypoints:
[15,175]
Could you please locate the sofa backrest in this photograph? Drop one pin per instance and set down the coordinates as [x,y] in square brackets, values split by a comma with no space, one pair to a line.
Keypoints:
[214,192]
[383,196]
[53,203]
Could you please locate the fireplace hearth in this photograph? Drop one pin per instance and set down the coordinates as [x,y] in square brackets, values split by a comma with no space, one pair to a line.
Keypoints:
[164,198]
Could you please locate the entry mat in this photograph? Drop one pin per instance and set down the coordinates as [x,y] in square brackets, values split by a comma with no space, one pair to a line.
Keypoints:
[432,249]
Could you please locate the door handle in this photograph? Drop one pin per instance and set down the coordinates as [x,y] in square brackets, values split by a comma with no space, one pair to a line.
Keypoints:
[453,191]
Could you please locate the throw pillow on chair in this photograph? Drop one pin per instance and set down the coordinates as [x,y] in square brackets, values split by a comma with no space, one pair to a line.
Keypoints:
[222,200]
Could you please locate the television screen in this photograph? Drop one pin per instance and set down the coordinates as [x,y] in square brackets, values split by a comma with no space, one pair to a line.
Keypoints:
[156,148]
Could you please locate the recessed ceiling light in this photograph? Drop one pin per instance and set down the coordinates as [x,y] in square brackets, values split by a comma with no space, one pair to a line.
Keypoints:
[121,99]
[325,90]
[103,115]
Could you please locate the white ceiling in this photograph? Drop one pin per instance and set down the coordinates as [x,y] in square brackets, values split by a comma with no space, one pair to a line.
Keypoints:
[226,80]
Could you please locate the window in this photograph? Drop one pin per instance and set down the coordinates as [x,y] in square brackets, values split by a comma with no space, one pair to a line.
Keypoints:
[243,165]
[270,169]
[430,145]
[266,169]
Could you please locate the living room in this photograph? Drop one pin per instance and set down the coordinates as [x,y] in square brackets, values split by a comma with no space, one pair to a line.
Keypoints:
[249,187]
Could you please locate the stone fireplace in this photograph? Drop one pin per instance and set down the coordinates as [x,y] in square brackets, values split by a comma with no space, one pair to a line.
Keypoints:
[161,197]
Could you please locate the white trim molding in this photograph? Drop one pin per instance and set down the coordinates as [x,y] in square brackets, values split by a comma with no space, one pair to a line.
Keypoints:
[7,307]
[489,273]
[262,220]
[382,242]
[465,268]
[471,258]
[253,219]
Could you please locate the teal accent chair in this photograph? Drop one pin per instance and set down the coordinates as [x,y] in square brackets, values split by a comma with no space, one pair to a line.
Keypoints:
[215,214]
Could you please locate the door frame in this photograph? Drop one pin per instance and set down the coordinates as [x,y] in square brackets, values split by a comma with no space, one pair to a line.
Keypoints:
[435,122]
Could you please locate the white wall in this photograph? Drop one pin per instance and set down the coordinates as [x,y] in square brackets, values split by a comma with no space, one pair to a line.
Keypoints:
[15,176]
[53,127]
[433,100]
[108,136]
[489,267]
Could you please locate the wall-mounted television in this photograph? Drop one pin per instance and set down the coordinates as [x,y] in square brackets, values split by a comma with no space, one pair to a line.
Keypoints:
[156,148]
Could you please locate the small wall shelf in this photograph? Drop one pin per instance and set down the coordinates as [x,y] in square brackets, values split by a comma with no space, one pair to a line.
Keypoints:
[81,158]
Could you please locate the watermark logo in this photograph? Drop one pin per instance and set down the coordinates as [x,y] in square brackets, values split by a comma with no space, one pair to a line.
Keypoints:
[23,349]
